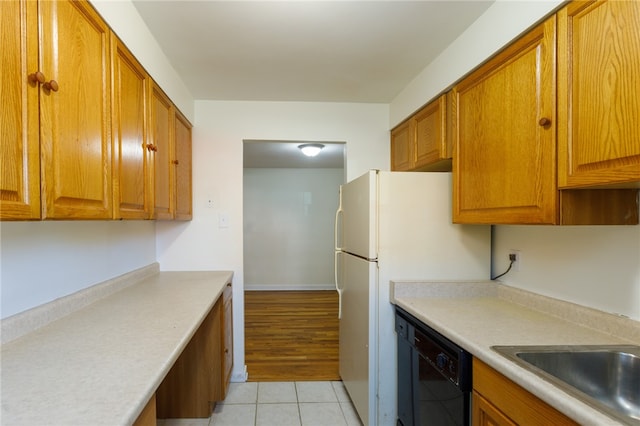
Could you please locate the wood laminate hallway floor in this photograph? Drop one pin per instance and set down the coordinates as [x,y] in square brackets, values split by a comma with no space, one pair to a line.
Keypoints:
[291,335]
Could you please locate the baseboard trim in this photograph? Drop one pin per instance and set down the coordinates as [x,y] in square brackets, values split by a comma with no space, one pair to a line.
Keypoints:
[240,376]
[290,287]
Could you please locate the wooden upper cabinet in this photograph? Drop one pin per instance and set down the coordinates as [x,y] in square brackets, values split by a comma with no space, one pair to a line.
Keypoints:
[432,141]
[423,143]
[131,168]
[402,155]
[19,125]
[162,127]
[75,125]
[504,134]
[182,168]
[598,89]
[85,132]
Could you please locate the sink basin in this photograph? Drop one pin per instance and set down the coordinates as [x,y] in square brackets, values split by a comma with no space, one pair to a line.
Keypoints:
[606,377]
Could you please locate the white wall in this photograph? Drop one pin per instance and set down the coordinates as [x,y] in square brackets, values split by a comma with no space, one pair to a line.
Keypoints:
[288,228]
[595,266]
[500,24]
[124,20]
[220,128]
[42,261]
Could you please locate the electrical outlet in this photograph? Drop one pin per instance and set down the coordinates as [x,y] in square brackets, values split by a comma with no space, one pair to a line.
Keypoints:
[517,263]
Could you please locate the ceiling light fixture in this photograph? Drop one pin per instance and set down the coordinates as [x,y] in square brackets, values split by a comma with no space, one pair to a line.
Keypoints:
[311,149]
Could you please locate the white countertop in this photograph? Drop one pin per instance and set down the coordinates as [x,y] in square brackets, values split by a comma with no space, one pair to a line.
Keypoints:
[477,316]
[100,365]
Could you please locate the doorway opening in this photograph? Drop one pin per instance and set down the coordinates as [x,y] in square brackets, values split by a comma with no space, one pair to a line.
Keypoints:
[289,204]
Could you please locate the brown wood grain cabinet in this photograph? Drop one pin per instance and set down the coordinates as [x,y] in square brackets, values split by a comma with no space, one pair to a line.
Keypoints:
[85,133]
[75,122]
[19,126]
[499,401]
[504,165]
[227,339]
[171,147]
[402,155]
[200,376]
[132,190]
[504,130]
[56,76]
[188,388]
[433,147]
[148,415]
[182,168]
[223,357]
[161,127]
[423,143]
[598,86]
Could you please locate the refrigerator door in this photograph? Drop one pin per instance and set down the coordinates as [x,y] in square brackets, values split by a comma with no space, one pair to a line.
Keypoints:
[359,220]
[357,279]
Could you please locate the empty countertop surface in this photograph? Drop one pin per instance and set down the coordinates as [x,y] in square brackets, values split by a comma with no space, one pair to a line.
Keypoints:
[101,364]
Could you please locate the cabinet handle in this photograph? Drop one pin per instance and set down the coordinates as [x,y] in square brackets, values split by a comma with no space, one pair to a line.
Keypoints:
[544,122]
[51,85]
[149,147]
[36,77]
[228,284]
[176,162]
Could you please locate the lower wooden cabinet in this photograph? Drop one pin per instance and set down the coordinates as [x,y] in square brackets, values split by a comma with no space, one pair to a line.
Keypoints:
[499,401]
[148,415]
[200,376]
[227,338]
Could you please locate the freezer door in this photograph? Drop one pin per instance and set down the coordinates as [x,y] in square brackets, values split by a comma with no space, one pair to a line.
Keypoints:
[358,334]
[358,203]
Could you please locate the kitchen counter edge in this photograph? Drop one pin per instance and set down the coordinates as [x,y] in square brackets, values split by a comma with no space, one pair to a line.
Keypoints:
[480,314]
[101,363]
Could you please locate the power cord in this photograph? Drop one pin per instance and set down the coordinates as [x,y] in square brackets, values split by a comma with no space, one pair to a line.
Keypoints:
[512,259]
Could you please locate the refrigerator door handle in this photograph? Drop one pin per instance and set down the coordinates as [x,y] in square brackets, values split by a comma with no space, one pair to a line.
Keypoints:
[335,224]
[338,289]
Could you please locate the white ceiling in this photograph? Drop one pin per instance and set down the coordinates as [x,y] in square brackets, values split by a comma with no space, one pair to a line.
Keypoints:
[304,50]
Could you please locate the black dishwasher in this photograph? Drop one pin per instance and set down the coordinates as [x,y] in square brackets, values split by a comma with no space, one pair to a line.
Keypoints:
[434,376]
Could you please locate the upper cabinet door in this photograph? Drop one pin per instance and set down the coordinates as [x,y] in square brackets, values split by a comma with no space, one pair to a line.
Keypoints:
[504,134]
[182,168]
[131,168]
[598,94]
[19,139]
[402,144]
[432,141]
[162,116]
[75,111]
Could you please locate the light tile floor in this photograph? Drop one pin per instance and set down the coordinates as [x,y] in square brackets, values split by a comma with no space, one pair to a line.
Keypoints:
[280,404]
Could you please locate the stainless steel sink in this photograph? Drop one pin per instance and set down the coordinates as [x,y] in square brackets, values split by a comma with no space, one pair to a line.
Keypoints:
[606,377]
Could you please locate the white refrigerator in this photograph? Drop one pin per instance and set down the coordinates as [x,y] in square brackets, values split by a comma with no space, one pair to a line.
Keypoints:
[393,226]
